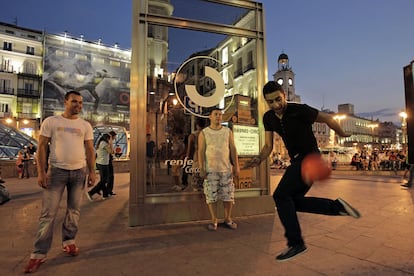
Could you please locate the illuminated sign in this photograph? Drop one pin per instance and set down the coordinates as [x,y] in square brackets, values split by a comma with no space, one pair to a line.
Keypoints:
[191,90]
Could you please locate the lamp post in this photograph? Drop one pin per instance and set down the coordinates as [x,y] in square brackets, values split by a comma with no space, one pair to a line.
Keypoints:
[403,116]
[372,126]
[339,118]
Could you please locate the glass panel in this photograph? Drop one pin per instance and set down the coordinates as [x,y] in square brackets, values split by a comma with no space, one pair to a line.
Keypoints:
[190,72]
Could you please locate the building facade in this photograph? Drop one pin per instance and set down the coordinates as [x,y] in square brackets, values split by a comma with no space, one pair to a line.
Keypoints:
[21,69]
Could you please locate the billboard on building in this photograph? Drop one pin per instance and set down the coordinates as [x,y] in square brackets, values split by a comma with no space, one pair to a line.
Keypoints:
[101,74]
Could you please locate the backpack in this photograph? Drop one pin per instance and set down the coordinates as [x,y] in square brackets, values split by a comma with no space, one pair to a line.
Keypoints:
[4,194]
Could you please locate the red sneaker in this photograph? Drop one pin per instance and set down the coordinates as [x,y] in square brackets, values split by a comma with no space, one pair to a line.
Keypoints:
[71,250]
[33,265]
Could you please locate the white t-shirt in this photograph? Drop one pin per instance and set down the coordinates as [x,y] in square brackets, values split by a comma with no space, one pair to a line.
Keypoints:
[67,149]
[102,154]
[217,149]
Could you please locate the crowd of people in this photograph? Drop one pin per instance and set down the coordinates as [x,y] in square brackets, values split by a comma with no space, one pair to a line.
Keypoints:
[379,160]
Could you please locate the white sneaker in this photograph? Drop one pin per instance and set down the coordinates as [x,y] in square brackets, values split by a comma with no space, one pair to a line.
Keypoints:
[89,197]
[349,210]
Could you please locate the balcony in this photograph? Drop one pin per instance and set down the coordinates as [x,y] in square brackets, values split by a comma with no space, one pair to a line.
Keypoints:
[31,75]
[22,115]
[6,69]
[28,93]
[7,91]
[6,114]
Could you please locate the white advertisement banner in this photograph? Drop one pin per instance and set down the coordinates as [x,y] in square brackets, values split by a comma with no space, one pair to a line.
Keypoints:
[246,139]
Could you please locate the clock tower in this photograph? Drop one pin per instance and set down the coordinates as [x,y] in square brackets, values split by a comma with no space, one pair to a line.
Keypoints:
[286,78]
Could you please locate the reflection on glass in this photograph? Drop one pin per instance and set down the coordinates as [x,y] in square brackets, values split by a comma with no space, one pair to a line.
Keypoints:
[181,61]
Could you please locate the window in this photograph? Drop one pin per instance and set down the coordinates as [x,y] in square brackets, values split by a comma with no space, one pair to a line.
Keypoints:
[61,53]
[249,61]
[225,55]
[98,60]
[5,86]
[5,65]
[29,68]
[7,46]
[115,63]
[81,57]
[226,76]
[27,108]
[4,107]
[30,50]
[28,88]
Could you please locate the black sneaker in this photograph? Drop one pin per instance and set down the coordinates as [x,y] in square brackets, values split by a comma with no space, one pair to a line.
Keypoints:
[291,252]
[348,210]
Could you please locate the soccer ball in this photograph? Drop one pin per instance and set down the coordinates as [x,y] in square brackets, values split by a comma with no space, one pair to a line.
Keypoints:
[314,168]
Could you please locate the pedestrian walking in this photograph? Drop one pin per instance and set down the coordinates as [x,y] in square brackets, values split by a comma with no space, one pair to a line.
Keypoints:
[19,163]
[71,160]
[103,151]
[26,163]
[293,122]
[192,153]
[111,178]
[218,160]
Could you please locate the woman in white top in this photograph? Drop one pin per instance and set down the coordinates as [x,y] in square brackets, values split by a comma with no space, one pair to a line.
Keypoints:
[103,150]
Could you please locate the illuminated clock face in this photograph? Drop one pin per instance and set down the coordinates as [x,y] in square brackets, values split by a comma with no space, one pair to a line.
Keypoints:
[280,81]
[290,81]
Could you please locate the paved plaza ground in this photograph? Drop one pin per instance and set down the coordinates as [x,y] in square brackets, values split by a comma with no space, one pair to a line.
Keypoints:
[380,243]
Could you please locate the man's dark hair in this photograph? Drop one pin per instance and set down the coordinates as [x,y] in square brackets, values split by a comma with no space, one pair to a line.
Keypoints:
[215,108]
[72,92]
[271,87]
[112,133]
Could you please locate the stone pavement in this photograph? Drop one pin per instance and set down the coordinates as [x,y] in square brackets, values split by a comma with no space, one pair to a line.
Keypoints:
[380,243]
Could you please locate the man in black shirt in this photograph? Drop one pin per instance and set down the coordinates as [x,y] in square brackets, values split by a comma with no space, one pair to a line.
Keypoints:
[151,148]
[293,122]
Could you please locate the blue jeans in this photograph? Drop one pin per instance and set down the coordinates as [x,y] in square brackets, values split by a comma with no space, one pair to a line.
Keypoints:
[58,179]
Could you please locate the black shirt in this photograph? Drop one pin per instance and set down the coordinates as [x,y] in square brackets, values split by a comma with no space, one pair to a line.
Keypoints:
[295,128]
[150,149]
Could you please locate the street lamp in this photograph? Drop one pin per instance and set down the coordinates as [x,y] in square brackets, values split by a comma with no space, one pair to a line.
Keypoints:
[372,126]
[403,116]
[339,118]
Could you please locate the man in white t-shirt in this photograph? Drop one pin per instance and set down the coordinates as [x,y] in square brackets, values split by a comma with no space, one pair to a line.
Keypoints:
[71,160]
[218,160]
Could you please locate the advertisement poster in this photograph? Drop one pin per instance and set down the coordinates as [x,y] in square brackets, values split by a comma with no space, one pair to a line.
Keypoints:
[99,73]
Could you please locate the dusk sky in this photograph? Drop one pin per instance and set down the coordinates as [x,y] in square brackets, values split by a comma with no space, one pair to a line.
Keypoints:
[341,51]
